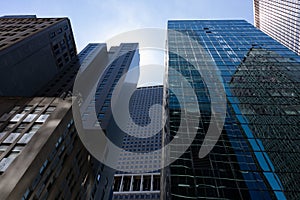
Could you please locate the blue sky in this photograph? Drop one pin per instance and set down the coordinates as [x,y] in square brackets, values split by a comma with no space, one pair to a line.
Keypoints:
[98,20]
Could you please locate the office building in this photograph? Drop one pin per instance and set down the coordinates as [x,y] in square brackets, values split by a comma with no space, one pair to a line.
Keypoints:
[257,154]
[141,182]
[33,47]
[279,19]
[120,58]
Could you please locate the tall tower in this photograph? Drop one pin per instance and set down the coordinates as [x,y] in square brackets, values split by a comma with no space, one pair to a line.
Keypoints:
[255,156]
[280,20]
[121,59]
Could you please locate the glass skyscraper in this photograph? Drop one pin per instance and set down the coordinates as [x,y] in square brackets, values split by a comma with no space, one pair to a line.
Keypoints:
[257,155]
[281,20]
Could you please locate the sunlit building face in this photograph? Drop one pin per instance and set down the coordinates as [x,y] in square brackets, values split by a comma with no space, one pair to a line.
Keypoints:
[281,20]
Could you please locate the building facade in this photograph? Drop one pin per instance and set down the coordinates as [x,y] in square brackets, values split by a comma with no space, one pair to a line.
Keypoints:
[29,46]
[61,85]
[258,141]
[140,184]
[120,59]
[280,20]
[41,154]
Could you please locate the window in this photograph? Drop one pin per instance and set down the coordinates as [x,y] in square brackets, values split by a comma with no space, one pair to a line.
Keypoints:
[2,134]
[26,194]
[117,183]
[21,127]
[35,128]
[9,126]
[17,117]
[3,148]
[100,115]
[126,183]
[30,118]
[26,109]
[50,110]
[38,109]
[25,138]
[147,183]
[17,149]
[42,118]
[11,138]
[156,182]
[98,178]
[136,183]
[52,35]
[4,164]
[104,109]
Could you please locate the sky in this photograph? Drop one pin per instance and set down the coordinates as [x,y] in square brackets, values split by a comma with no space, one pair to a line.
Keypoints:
[96,21]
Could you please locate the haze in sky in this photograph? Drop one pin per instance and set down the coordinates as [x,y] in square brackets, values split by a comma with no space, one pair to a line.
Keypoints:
[96,21]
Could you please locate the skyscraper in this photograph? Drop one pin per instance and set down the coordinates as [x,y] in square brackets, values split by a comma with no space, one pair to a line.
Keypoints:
[257,154]
[32,51]
[145,183]
[120,60]
[280,20]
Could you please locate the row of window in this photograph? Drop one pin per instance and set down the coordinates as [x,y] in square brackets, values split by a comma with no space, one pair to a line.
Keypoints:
[12,133]
[146,182]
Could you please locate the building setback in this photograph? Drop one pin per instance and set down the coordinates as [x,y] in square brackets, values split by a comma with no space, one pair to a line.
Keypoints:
[279,19]
[256,156]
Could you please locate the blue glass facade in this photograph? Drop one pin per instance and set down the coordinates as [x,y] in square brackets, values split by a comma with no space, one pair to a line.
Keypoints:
[257,154]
